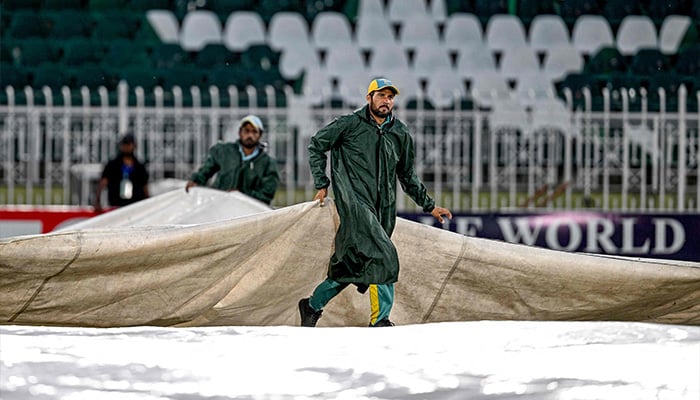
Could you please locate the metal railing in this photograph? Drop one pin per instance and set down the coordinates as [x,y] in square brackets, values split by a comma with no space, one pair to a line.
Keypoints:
[469,159]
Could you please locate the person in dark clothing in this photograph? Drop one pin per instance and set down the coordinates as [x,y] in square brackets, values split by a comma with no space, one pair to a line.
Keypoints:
[125,178]
[243,165]
[370,148]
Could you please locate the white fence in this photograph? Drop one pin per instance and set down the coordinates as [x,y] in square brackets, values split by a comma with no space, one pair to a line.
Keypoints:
[502,159]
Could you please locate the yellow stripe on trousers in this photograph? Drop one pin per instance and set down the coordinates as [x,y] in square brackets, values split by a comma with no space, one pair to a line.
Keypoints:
[374,303]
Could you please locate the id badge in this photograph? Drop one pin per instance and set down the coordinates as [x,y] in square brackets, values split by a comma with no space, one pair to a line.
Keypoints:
[126,189]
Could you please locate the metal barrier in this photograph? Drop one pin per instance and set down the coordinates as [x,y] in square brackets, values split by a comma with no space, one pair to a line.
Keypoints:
[469,159]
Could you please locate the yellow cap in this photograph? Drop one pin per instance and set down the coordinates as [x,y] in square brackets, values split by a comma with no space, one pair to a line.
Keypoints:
[381,83]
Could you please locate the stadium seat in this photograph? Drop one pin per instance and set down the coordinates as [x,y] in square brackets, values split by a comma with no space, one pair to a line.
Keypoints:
[11,75]
[616,11]
[475,60]
[33,52]
[13,5]
[343,58]
[509,115]
[215,54]
[572,10]
[136,76]
[488,87]
[317,86]
[486,9]
[61,4]
[504,32]
[51,75]
[561,61]
[165,25]
[330,28]
[552,114]
[576,83]
[546,32]
[287,30]
[430,60]
[183,76]
[398,11]
[417,31]
[115,25]
[223,76]
[607,60]
[673,29]
[26,24]
[444,89]
[106,4]
[295,60]
[168,55]
[649,62]
[438,11]
[534,87]
[126,52]
[636,32]
[590,33]
[352,86]
[244,29]
[461,30]
[69,24]
[91,76]
[688,63]
[262,65]
[372,31]
[388,57]
[145,5]
[82,51]
[518,61]
[200,28]
[368,8]
[407,83]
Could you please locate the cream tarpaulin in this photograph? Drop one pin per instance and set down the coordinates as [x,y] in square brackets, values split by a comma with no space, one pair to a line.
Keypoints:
[253,269]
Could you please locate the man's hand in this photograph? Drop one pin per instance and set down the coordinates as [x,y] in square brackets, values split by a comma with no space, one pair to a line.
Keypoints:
[438,212]
[189,185]
[321,195]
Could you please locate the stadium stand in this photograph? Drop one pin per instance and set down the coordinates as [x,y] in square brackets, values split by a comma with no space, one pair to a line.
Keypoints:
[604,43]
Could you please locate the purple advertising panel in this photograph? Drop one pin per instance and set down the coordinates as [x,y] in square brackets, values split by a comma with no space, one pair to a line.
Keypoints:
[669,236]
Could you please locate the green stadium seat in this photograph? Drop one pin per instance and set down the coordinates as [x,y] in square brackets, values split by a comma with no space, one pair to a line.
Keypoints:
[184,76]
[571,10]
[92,76]
[6,56]
[27,23]
[167,55]
[11,75]
[146,78]
[688,63]
[576,83]
[649,62]
[33,52]
[11,5]
[69,24]
[606,61]
[62,4]
[106,4]
[215,54]
[82,51]
[223,76]
[616,10]
[658,10]
[51,75]
[670,82]
[126,52]
[143,5]
[115,25]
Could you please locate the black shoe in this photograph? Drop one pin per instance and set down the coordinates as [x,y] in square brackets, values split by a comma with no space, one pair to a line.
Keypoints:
[309,316]
[383,322]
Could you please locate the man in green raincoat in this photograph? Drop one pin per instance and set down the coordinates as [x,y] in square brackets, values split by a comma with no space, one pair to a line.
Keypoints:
[243,165]
[369,148]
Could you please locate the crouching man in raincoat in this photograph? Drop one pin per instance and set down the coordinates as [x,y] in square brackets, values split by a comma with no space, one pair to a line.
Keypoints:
[369,148]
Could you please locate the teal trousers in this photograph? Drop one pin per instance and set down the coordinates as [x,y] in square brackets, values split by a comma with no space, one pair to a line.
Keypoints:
[381,298]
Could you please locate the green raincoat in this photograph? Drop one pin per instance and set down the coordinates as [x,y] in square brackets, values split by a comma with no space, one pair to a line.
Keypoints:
[257,177]
[365,162]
